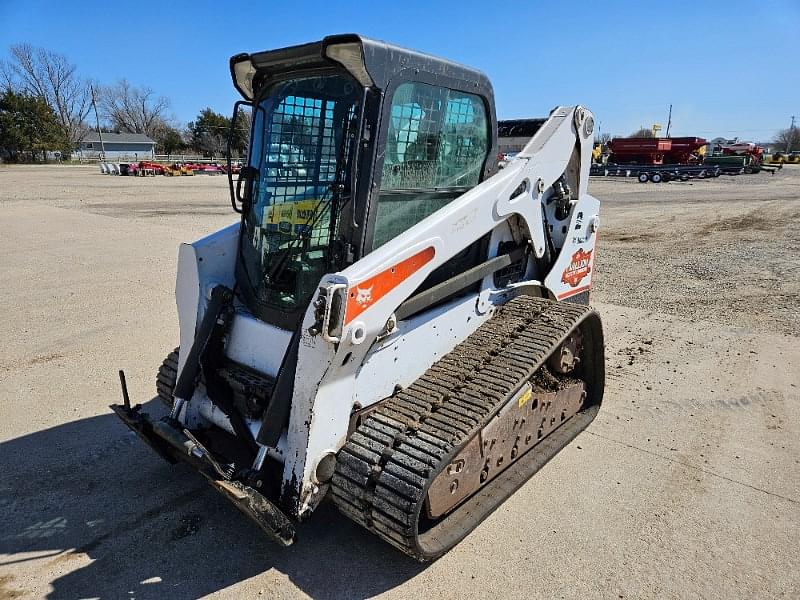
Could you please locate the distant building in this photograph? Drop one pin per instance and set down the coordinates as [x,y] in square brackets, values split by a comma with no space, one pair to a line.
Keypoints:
[117,146]
[719,141]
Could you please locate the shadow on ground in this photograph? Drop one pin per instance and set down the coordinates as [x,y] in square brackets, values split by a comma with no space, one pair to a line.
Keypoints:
[91,489]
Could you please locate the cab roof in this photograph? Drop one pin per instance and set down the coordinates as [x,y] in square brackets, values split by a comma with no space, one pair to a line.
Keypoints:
[373,63]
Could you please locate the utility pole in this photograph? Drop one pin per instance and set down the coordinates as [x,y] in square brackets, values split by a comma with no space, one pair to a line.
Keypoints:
[669,119]
[791,137]
[97,122]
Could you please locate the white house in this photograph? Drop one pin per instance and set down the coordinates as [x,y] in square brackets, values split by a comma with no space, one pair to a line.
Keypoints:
[117,146]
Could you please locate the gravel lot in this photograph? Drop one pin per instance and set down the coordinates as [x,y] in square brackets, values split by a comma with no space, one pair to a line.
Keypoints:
[687,485]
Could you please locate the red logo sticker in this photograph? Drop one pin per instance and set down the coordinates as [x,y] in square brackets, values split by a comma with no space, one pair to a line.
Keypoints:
[578,268]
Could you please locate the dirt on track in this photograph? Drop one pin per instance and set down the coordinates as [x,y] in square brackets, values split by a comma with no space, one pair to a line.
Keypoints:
[687,484]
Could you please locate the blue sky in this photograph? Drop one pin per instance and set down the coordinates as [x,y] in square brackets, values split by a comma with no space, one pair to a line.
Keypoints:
[729,68]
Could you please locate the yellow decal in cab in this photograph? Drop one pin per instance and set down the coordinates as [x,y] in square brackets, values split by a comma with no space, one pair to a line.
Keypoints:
[523,399]
[300,212]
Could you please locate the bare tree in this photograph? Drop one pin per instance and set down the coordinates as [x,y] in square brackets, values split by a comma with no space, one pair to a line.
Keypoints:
[643,132]
[134,109]
[51,76]
[788,139]
[604,138]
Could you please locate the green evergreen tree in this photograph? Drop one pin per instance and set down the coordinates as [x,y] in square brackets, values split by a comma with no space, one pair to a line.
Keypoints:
[29,127]
[209,133]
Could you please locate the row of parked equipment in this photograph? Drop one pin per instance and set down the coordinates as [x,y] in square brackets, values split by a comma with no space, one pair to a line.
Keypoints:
[665,159]
[659,173]
[783,158]
[151,169]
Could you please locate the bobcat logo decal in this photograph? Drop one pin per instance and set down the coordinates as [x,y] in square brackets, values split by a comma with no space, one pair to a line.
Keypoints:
[364,296]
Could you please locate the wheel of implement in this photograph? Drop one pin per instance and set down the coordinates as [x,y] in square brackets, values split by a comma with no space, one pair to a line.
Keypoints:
[166,378]
[656,177]
[684,177]
[644,177]
[430,463]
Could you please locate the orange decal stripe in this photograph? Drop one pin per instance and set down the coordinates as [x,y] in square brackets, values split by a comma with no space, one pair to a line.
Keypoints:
[368,292]
[575,292]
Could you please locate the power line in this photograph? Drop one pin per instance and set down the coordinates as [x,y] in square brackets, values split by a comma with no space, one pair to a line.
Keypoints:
[204,127]
[735,130]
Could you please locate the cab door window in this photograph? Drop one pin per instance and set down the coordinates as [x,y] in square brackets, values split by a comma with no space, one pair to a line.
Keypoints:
[436,145]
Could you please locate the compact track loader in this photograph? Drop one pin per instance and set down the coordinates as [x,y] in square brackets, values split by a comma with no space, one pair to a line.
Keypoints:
[394,322]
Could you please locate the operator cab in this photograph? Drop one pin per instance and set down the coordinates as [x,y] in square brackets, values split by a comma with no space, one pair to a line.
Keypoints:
[352,142]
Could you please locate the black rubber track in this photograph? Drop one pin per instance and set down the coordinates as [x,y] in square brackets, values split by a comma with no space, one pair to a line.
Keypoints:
[167,375]
[384,470]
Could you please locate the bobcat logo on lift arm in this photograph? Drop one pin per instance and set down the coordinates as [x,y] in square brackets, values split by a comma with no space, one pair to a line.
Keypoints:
[364,297]
[579,267]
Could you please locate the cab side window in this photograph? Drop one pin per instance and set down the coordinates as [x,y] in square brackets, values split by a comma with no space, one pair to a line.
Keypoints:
[436,146]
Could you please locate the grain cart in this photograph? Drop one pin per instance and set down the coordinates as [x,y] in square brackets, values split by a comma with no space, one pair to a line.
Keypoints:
[386,323]
[657,151]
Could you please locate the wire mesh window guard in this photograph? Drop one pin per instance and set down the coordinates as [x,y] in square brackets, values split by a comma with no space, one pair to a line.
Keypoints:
[304,146]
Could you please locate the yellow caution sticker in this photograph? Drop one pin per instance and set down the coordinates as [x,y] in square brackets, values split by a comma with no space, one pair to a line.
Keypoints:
[526,395]
[300,212]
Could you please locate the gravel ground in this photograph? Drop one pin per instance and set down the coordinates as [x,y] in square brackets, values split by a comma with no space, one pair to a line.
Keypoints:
[723,249]
[687,485]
